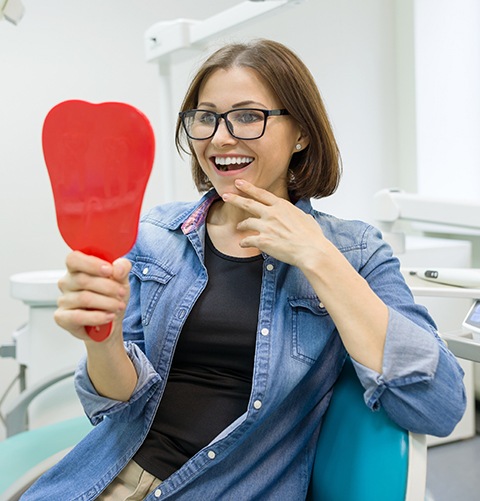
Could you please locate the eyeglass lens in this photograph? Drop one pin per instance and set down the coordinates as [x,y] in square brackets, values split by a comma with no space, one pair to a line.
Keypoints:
[243,124]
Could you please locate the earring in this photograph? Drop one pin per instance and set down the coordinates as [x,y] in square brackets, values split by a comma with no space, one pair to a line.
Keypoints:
[298,146]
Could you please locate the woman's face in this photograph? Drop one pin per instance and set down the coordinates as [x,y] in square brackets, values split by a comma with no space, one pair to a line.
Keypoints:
[264,161]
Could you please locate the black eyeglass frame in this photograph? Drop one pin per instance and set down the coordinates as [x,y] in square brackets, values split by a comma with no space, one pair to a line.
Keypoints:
[218,116]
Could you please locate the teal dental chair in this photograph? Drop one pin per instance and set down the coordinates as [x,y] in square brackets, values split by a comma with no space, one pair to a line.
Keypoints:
[361,455]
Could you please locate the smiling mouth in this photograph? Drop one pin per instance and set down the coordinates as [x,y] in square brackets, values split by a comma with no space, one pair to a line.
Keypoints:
[225,164]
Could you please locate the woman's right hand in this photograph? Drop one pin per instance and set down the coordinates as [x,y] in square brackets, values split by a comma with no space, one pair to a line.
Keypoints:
[96,292]
[93,292]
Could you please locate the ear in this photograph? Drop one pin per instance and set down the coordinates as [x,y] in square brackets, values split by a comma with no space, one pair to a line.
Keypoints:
[303,140]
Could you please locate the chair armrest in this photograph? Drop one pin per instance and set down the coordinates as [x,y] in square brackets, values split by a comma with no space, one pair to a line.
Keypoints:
[16,412]
[417,467]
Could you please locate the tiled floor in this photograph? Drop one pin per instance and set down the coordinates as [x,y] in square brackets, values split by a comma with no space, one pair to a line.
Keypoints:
[453,470]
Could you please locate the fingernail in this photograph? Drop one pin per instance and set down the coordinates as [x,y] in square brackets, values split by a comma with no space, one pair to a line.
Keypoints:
[225,196]
[239,182]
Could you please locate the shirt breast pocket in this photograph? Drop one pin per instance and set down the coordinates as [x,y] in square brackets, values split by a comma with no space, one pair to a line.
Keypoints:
[153,279]
[311,328]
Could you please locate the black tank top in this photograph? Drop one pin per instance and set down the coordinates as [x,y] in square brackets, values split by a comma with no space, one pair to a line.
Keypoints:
[211,376]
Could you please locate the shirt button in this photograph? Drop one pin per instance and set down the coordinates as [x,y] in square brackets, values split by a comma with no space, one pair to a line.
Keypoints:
[264,332]
[211,455]
[270,267]
[145,271]
[158,493]
[257,404]
[321,305]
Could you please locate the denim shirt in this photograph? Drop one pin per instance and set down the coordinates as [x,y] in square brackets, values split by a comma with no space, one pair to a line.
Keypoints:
[267,453]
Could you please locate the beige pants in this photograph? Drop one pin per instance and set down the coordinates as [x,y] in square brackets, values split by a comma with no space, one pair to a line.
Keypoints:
[132,484]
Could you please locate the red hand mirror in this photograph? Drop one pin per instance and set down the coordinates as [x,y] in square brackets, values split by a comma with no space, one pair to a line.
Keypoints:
[99,158]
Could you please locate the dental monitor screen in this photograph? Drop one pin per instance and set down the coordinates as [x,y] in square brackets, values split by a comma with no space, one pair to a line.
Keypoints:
[472,320]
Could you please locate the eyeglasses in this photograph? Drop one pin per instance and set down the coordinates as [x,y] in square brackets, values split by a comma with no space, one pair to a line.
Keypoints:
[242,123]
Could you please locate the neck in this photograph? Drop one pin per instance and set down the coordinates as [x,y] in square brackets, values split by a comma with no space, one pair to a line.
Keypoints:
[224,214]
[222,221]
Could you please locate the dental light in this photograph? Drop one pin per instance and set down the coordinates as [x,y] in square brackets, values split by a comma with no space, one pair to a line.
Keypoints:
[167,37]
[11,10]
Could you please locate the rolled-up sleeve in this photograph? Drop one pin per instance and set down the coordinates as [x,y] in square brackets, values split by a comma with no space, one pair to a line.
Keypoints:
[418,375]
[98,407]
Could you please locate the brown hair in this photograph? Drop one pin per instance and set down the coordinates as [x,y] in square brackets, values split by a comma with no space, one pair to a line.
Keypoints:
[316,170]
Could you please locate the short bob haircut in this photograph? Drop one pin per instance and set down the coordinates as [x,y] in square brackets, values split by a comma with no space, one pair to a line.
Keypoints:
[315,171]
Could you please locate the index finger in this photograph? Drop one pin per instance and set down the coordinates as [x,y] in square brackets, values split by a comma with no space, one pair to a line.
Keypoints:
[255,200]
[263,196]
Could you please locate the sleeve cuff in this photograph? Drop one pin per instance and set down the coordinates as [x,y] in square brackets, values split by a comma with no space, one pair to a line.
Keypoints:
[410,356]
[96,406]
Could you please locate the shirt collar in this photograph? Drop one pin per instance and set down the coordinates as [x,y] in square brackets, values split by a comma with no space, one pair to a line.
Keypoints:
[199,215]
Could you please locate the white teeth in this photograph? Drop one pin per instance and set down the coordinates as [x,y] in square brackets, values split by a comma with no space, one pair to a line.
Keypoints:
[232,160]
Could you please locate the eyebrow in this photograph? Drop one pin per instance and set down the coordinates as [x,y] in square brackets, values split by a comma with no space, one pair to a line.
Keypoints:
[241,104]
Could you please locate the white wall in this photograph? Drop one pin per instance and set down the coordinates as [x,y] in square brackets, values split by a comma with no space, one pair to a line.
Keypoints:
[447,70]
[91,50]
[439,96]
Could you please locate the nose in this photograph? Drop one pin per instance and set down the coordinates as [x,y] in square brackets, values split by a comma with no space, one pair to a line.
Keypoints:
[222,135]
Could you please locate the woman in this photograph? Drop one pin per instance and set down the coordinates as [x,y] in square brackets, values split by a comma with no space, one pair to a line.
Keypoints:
[233,316]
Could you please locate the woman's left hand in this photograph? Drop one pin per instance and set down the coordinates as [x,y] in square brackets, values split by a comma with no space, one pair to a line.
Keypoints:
[280,229]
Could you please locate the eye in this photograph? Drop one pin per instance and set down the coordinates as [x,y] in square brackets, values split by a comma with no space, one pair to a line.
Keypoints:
[246,117]
[205,118]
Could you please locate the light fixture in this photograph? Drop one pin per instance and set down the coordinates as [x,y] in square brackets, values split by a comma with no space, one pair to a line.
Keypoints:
[11,10]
